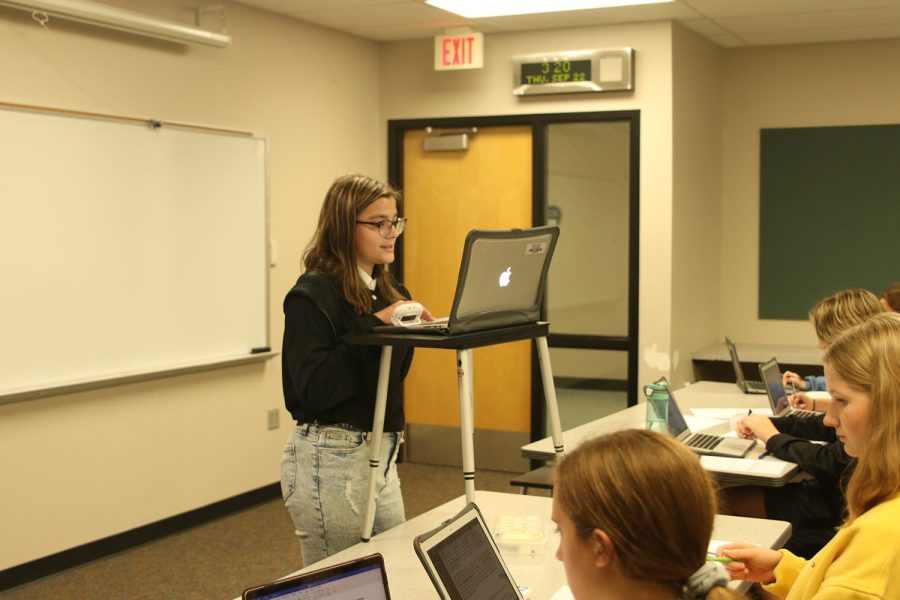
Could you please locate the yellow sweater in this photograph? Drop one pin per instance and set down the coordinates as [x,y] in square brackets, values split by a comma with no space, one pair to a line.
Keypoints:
[861,562]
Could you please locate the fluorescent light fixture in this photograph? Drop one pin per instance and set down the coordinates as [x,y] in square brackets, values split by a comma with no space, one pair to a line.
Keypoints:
[103,15]
[477,9]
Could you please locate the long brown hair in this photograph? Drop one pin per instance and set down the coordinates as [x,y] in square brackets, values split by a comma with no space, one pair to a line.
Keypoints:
[650,495]
[840,311]
[332,250]
[868,358]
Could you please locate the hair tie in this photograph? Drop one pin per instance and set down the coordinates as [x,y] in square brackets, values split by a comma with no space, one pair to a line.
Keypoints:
[708,576]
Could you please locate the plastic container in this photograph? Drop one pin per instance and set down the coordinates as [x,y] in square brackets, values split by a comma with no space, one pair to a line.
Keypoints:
[521,539]
[657,396]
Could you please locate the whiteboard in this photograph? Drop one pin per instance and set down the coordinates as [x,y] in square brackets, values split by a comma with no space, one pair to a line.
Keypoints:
[126,249]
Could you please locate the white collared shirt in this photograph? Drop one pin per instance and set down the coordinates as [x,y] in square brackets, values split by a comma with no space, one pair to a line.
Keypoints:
[367,280]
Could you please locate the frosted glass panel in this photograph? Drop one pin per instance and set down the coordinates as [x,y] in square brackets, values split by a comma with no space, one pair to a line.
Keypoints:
[588,197]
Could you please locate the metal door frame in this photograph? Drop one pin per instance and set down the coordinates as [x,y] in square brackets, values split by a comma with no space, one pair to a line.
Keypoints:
[538,124]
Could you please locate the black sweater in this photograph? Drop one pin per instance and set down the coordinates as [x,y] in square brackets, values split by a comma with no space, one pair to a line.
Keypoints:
[325,379]
[826,462]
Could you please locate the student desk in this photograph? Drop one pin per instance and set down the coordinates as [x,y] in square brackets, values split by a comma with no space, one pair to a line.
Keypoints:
[704,394]
[714,363]
[463,344]
[544,574]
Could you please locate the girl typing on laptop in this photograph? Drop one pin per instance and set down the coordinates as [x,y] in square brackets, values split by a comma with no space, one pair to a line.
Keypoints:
[329,385]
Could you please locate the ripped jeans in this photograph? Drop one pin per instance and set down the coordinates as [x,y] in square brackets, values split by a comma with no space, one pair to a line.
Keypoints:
[325,481]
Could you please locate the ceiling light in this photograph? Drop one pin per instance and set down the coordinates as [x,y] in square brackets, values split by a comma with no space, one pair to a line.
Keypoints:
[477,9]
[103,15]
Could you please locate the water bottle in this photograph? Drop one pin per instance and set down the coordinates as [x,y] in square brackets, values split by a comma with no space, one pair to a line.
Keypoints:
[657,396]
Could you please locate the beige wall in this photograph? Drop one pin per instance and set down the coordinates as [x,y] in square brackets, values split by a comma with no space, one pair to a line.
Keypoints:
[412,89]
[79,467]
[848,83]
[696,238]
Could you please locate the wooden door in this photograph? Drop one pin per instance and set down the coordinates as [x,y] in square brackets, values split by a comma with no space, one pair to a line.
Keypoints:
[446,194]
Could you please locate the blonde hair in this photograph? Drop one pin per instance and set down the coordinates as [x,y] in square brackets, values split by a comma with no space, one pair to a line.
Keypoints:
[840,311]
[332,250]
[868,358]
[891,295]
[651,497]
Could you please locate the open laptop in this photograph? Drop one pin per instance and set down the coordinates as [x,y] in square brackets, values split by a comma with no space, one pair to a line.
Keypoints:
[363,578]
[778,397]
[746,386]
[500,283]
[701,443]
[463,561]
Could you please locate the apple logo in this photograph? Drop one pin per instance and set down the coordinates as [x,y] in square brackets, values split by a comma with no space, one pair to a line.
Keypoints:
[504,277]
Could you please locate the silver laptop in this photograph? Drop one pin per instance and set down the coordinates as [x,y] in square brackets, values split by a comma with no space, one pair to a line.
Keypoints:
[501,282]
[701,443]
[463,560]
[746,386]
[363,578]
[778,397]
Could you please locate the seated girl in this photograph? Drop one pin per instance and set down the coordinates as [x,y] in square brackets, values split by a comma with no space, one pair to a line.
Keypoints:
[635,514]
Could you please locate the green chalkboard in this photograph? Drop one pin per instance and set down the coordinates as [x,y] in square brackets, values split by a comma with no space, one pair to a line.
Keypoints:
[829,204]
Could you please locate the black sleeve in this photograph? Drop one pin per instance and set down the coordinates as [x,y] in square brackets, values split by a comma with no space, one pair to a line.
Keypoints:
[810,428]
[324,369]
[825,462]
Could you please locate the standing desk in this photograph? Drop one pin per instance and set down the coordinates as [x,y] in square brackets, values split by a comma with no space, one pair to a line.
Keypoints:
[704,394]
[409,581]
[463,344]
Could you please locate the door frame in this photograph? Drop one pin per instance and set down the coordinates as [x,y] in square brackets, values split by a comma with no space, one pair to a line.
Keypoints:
[538,124]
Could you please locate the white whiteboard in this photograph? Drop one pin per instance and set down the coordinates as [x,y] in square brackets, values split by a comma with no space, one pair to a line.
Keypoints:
[126,249]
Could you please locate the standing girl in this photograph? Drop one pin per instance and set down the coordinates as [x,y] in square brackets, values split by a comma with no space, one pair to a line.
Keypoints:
[329,384]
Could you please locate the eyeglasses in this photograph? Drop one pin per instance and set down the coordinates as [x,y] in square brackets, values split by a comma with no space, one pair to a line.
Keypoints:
[385,227]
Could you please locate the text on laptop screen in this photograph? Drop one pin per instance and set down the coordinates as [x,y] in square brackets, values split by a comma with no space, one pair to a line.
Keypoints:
[364,583]
[468,566]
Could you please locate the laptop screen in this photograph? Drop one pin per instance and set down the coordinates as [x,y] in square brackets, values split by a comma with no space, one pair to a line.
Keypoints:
[363,579]
[464,560]
[771,376]
[738,372]
[675,422]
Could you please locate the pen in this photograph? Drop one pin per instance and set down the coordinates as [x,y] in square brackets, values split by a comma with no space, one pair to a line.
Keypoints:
[722,559]
[763,455]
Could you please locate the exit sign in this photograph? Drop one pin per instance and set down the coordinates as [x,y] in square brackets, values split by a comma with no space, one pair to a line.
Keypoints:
[459,51]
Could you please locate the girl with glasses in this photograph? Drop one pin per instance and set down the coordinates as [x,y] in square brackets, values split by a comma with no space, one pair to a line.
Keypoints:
[329,385]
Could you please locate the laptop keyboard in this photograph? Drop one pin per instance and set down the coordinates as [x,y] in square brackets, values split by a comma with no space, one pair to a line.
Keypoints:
[704,441]
[804,413]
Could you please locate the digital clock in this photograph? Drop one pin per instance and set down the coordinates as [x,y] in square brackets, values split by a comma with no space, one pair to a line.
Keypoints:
[573,71]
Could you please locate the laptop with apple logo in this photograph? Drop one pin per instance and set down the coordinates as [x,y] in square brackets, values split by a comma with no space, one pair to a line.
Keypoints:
[501,282]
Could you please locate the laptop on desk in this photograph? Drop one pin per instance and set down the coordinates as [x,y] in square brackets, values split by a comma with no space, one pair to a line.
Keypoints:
[501,282]
[778,397]
[463,560]
[701,443]
[363,578]
[746,386]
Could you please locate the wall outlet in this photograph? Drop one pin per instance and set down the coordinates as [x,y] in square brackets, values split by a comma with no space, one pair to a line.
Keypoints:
[273,418]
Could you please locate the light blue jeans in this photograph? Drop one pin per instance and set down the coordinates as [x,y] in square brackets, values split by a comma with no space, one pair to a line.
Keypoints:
[325,481]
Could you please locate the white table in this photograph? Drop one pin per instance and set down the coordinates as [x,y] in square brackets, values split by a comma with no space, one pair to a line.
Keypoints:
[409,581]
[704,394]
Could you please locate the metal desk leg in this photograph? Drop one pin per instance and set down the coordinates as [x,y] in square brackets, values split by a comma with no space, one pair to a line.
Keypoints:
[384,375]
[466,424]
[550,394]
